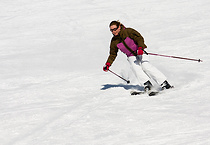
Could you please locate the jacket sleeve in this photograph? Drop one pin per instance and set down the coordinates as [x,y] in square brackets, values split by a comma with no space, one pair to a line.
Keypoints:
[112,53]
[136,36]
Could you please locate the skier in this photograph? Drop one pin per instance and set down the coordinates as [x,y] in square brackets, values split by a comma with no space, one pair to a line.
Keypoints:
[130,42]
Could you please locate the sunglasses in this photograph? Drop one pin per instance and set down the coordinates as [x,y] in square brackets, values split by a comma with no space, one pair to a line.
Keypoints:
[114,29]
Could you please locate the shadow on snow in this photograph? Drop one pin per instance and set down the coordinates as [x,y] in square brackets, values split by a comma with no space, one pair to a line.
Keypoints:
[126,87]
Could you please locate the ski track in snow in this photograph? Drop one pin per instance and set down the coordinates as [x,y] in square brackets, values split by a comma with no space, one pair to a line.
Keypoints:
[53,89]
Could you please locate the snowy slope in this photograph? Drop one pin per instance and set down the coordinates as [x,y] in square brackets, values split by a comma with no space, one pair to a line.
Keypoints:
[53,90]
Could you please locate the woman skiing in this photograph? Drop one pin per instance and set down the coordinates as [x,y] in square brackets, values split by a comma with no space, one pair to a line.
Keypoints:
[130,42]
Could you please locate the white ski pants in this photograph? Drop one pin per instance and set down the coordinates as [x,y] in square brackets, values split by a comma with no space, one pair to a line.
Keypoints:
[144,71]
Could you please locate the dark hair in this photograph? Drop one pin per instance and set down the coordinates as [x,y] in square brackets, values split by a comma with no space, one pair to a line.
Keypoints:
[117,23]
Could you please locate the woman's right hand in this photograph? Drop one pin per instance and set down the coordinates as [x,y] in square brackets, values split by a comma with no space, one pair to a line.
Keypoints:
[106,67]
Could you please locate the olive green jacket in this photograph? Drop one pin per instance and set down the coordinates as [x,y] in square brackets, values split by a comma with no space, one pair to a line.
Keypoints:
[131,37]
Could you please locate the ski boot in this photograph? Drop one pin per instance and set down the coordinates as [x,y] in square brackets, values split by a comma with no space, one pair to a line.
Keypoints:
[165,85]
[148,89]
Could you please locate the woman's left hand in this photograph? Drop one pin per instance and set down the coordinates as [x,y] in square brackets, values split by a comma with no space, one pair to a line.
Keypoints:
[140,51]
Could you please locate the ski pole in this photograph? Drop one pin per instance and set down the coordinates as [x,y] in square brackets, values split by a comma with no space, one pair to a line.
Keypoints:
[198,60]
[119,76]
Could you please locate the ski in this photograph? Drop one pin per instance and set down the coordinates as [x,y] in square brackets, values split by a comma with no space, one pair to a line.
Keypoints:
[137,92]
[153,93]
[150,93]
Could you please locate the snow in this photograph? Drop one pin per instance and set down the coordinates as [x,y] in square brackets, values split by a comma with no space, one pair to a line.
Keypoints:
[53,90]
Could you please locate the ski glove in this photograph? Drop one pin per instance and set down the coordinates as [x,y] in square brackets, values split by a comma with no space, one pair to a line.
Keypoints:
[140,51]
[106,67]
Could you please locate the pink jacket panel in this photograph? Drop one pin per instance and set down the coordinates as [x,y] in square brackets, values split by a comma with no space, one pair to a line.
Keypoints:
[130,44]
